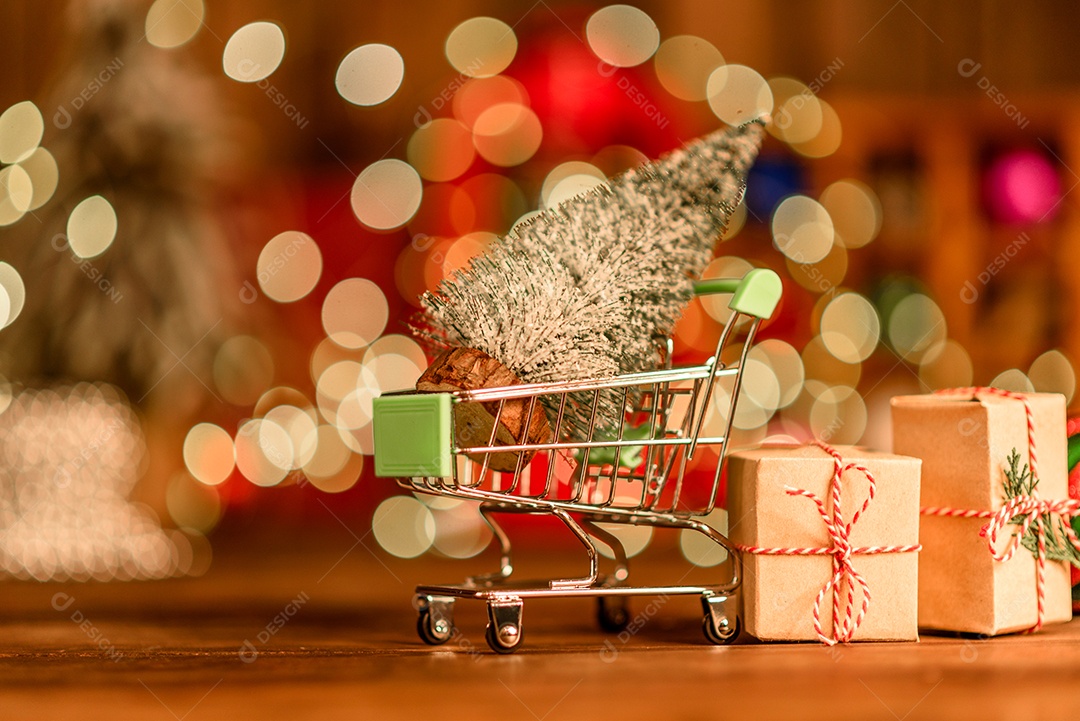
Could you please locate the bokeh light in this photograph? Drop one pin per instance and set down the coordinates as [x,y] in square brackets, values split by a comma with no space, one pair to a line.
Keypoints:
[289,266]
[91,227]
[798,116]
[354,312]
[171,23]
[622,35]
[614,159]
[346,393]
[1052,372]
[21,128]
[802,229]
[699,549]
[243,369]
[916,324]
[399,345]
[209,454]
[759,398]
[738,94]
[1014,380]
[823,276]
[1022,186]
[387,194]
[477,95]
[394,372]
[855,210]
[370,74]
[254,52]
[327,353]
[827,369]
[72,454]
[340,381]
[300,426]
[683,65]
[946,364]
[827,141]
[44,176]
[736,221]
[263,452]
[566,180]
[403,526]
[441,150]
[634,539]
[481,47]
[838,415]
[16,194]
[13,292]
[507,134]
[329,459]
[192,505]
[282,396]
[723,267]
[460,531]
[786,364]
[850,328]
[464,249]
[5,304]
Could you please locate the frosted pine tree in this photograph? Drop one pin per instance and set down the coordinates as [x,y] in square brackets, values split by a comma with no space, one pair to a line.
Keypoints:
[585,289]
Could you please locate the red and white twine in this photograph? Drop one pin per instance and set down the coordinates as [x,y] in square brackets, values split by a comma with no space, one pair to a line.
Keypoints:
[844,576]
[1033,511]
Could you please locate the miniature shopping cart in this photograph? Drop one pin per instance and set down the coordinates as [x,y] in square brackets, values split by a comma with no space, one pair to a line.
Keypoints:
[630,474]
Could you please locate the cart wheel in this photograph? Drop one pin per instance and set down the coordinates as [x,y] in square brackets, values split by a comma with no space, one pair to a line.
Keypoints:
[612,613]
[434,631]
[505,640]
[725,634]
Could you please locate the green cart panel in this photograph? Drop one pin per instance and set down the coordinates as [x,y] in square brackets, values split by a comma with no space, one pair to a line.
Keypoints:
[413,435]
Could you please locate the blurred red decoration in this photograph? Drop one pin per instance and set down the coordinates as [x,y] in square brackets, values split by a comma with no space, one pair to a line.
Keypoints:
[1021,186]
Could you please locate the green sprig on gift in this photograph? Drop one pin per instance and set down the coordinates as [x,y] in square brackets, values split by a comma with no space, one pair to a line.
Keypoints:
[1020,482]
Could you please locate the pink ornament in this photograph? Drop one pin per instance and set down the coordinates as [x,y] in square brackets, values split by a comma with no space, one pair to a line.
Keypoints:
[1021,186]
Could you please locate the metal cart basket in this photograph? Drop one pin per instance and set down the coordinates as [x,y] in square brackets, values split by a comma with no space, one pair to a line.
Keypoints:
[632,474]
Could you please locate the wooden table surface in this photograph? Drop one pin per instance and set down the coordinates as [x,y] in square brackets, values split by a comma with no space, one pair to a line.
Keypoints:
[346,648]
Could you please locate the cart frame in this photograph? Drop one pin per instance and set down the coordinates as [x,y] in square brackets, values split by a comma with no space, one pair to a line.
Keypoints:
[413,437]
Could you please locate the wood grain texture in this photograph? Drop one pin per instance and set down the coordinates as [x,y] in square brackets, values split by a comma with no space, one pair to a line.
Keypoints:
[350,651]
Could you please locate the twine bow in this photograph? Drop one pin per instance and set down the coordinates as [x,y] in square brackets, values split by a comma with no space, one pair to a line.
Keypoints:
[1026,510]
[844,575]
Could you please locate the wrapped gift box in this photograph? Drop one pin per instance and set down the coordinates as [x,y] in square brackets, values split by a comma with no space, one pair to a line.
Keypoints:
[964,442]
[779,591]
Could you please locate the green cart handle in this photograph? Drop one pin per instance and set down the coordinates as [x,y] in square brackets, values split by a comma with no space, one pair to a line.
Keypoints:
[756,293]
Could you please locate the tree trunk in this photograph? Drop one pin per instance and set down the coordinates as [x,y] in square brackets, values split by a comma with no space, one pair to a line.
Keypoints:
[471,369]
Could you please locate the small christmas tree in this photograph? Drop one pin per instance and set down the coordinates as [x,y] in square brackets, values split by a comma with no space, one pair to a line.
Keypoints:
[585,289]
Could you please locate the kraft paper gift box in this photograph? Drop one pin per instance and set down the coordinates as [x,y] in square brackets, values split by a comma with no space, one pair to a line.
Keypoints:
[779,591]
[964,443]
